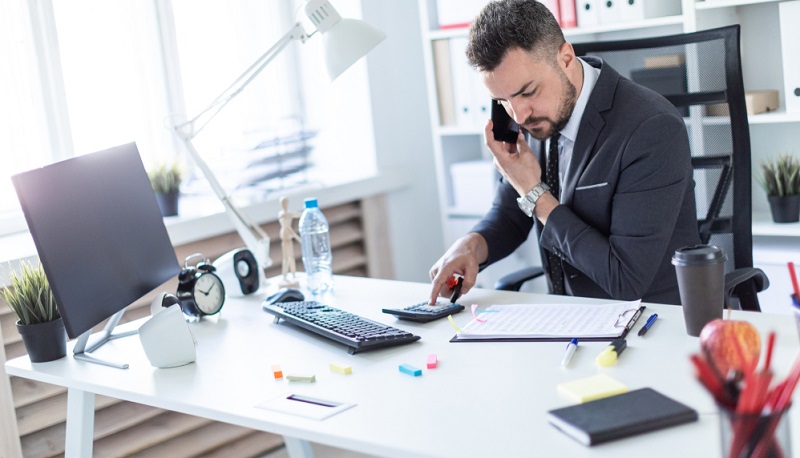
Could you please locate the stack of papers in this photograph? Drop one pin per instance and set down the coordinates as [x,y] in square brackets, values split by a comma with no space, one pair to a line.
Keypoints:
[551,322]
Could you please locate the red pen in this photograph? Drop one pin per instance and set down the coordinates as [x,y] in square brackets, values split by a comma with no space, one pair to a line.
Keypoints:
[794,280]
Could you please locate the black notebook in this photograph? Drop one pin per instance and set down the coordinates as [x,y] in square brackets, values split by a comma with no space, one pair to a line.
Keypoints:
[619,416]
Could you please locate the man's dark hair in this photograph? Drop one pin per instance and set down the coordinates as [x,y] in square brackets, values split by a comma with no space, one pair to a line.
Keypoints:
[509,24]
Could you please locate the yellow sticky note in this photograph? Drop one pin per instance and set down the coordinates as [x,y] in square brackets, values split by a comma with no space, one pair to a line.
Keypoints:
[341,368]
[591,388]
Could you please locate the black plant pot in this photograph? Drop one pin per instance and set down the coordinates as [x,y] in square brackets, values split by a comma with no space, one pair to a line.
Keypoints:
[785,209]
[168,203]
[44,341]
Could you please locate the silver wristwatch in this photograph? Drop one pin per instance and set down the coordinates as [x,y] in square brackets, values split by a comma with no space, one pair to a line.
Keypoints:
[528,202]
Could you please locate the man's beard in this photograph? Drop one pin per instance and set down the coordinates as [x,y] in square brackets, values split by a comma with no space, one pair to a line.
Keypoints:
[568,100]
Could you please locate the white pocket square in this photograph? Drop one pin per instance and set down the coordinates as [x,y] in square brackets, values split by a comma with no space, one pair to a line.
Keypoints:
[598,185]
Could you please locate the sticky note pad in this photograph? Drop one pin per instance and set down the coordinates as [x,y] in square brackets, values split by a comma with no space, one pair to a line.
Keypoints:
[341,368]
[301,378]
[433,361]
[276,371]
[591,388]
[410,370]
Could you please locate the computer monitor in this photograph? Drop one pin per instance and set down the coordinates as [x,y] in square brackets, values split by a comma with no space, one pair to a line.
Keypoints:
[100,236]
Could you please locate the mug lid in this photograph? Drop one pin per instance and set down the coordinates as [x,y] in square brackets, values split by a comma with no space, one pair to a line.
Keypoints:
[698,254]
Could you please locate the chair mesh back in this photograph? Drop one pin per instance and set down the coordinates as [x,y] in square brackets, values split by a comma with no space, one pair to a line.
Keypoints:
[700,73]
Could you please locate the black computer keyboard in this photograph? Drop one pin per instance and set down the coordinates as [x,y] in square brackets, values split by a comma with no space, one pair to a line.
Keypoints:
[358,333]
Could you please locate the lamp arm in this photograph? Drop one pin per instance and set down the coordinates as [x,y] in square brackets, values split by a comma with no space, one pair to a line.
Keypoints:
[190,129]
[256,240]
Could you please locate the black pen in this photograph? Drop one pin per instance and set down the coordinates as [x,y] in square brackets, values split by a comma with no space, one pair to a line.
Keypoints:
[648,324]
[634,319]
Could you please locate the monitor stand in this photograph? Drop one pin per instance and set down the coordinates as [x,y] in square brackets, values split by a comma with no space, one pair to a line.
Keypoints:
[82,350]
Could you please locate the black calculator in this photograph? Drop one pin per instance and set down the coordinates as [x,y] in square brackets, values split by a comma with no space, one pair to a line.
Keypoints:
[423,312]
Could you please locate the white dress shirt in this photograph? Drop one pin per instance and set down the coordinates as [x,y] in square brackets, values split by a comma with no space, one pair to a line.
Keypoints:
[569,133]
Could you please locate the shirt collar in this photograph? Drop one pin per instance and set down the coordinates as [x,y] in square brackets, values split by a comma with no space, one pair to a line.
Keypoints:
[590,75]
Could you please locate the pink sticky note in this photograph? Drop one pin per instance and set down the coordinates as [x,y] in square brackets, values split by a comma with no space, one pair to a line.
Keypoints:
[432,361]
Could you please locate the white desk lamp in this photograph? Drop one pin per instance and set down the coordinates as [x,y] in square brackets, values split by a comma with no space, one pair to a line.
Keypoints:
[345,41]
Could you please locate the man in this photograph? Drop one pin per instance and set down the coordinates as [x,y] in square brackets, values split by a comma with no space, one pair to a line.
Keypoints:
[622,198]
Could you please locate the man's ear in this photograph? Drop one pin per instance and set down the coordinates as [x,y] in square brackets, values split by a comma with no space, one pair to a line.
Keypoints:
[566,55]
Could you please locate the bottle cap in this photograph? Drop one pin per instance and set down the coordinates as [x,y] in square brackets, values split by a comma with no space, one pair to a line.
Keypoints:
[311,202]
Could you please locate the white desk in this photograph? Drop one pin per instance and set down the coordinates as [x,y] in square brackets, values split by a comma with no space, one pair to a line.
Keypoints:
[484,399]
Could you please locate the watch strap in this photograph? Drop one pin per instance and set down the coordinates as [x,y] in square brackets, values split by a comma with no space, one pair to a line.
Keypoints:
[527,203]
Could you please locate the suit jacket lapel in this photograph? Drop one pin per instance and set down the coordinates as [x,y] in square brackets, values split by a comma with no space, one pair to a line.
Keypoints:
[592,124]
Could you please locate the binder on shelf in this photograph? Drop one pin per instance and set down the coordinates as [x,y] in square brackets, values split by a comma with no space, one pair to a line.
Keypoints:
[569,17]
[609,11]
[444,82]
[789,13]
[453,14]
[472,101]
[481,102]
[587,12]
[462,82]
[552,5]
[636,10]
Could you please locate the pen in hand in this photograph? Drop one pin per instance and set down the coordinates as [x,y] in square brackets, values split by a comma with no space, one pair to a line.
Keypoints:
[571,347]
[648,324]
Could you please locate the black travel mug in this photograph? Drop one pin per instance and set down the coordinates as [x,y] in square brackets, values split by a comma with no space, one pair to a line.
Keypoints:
[701,282]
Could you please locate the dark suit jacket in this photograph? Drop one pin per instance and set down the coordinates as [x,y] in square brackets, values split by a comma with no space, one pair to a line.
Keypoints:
[628,202]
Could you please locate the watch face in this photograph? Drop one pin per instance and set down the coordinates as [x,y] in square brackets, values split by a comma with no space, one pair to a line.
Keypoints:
[209,293]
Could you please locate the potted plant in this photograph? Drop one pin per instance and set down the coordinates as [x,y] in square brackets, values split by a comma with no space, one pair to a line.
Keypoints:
[780,178]
[166,182]
[40,325]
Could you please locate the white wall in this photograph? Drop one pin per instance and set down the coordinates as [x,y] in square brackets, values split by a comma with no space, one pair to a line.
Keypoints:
[403,135]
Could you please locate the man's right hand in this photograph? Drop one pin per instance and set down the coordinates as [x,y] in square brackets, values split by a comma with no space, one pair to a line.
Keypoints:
[462,258]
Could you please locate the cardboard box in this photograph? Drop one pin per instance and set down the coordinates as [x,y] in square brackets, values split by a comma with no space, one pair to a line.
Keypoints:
[667,60]
[756,101]
[474,184]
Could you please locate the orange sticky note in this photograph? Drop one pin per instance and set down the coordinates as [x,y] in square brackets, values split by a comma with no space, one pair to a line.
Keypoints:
[432,361]
[276,371]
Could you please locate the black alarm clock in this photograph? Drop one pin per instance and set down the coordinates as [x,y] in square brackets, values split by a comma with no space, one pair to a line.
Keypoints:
[200,291]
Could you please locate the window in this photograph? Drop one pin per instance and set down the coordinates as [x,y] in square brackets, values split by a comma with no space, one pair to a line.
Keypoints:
[81,76]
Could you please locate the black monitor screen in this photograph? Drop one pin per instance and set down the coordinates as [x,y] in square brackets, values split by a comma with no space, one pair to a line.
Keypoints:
[99,233]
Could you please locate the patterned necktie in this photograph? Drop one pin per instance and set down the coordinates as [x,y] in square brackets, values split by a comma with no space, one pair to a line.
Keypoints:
[555,272]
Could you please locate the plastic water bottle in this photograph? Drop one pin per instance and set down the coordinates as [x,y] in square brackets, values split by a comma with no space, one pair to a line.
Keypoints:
[315,241]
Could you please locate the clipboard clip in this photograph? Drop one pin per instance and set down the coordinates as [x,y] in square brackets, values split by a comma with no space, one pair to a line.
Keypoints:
[620,323]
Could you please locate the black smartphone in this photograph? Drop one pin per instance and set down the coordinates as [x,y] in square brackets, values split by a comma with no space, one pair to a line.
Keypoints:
[504,128]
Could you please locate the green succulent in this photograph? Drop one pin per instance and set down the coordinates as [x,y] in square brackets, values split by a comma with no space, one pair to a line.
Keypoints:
[166,178]
[781,176]
[30,296]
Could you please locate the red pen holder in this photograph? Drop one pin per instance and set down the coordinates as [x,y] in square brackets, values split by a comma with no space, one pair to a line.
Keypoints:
[754,435]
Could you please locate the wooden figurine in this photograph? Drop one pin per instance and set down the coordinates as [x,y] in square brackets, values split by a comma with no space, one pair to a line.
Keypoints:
[288,235]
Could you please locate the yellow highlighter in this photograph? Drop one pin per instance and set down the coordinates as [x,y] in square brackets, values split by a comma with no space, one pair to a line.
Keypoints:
[609,355]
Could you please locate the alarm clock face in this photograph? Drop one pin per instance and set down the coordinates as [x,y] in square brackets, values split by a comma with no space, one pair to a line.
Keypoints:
[209,294]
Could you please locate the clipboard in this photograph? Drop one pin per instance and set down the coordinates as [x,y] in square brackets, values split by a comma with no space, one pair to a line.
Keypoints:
[528,322]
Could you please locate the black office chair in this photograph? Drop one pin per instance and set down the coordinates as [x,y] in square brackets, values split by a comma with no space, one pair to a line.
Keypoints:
[701,74]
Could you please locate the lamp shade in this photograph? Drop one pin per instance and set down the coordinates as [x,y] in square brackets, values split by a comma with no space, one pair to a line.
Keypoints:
[345,40]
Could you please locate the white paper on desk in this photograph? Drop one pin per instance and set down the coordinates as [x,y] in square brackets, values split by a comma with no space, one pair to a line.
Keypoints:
[551,321]
[305,406]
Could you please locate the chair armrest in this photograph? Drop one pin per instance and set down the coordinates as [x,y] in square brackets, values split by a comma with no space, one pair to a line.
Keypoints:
[741,286]
[514,280]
